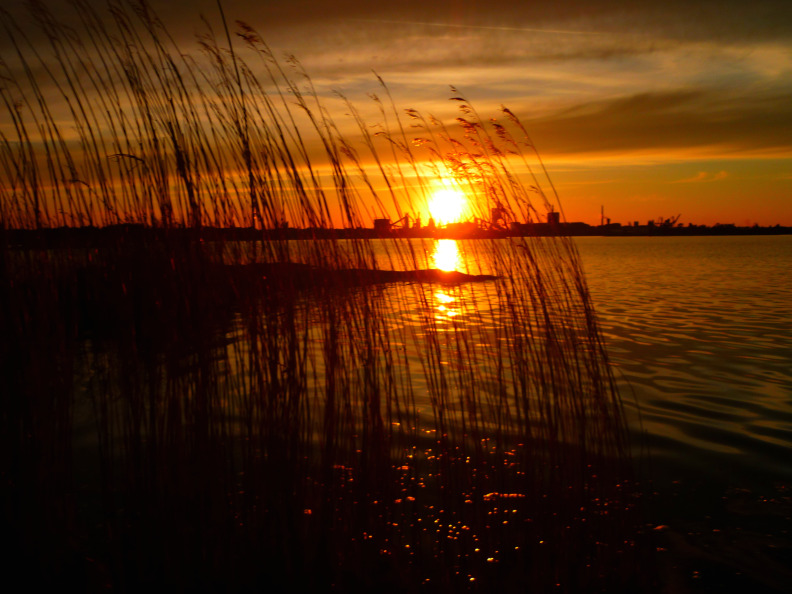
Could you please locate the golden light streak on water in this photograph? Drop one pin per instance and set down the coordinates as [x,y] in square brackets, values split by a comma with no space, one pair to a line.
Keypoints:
[447,305]
[446,255]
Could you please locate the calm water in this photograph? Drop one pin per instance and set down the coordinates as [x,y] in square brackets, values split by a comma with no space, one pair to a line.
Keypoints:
[700,331]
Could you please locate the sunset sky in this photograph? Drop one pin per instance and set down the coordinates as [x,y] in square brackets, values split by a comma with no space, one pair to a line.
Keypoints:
[647,109]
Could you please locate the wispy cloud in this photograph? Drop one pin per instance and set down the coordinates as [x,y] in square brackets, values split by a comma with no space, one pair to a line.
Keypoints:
[706,120]
[703,176]
[447,25]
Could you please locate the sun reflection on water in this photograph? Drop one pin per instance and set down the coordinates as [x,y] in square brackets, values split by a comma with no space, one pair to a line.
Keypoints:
[447,305]
[446,255]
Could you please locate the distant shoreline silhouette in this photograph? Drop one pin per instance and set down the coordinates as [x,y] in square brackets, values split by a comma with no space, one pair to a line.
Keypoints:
[96,236]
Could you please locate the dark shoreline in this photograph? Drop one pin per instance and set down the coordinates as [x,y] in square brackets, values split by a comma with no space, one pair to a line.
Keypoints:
[95,236]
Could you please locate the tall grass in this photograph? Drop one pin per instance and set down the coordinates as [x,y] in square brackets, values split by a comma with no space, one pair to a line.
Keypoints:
[187,412]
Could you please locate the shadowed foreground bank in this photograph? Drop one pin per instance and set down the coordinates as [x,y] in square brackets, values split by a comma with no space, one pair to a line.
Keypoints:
[167,427]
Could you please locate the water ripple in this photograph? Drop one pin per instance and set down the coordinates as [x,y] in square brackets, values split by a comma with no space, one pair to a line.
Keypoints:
[700,331]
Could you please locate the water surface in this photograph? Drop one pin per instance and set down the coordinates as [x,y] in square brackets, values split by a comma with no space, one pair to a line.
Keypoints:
[699,331]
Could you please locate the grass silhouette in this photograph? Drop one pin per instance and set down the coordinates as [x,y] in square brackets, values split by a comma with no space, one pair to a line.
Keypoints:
[181,413]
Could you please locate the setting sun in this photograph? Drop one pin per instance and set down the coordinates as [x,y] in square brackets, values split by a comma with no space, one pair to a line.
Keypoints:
[446,205]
